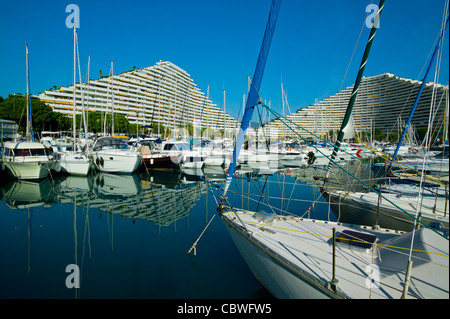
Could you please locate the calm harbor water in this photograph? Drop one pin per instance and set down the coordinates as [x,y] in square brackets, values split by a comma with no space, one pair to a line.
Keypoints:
[130,234]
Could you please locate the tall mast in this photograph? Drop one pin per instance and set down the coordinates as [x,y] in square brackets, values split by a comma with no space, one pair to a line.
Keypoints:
[87,94]
[112,98]
[224,126]
[74,81]
[29,129]
[351,102]
[83,113]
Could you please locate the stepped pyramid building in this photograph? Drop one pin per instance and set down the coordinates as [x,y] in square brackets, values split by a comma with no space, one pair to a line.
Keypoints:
[383,102]
[161,93]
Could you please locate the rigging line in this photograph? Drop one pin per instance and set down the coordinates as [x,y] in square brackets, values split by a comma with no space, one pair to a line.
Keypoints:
[264,186]
[427,137]
[308,142]
[399,164]
[262,195]
[262,127]
[292,193]
[355,239]
[280,211]
[364,184]
[274,197]
[354,50]
[194,246]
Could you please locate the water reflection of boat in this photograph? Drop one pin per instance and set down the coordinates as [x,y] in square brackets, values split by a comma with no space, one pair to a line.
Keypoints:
[163,205]
[169,177]
[117,186]
[22,194]
[191,174]
[214,173]
[150,197]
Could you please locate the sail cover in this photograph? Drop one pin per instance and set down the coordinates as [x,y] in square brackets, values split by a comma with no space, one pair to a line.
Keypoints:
[252,99]
[349,129]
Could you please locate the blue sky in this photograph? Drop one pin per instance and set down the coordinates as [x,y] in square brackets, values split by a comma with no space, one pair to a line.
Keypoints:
[217,43]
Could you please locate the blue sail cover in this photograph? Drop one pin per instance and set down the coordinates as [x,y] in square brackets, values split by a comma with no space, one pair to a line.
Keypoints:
[419,94]
[252,99]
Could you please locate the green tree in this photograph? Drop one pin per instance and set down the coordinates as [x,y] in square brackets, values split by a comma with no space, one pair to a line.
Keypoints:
[392,137]
[422,132]
[379,135]
[14,108]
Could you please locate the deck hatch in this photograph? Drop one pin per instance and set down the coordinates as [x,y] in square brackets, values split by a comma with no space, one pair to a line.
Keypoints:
[356,239]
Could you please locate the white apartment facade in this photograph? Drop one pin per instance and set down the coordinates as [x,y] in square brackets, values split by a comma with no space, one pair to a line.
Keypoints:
[384,102]
[162,93]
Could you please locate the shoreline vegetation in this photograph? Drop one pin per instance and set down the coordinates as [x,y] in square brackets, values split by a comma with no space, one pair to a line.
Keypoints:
[45,119]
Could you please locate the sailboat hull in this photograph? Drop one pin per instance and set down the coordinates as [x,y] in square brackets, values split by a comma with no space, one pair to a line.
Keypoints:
[363,209]
[299,258]
[29,170]
[73,164]
[270,271]
[112,161]
[27,160]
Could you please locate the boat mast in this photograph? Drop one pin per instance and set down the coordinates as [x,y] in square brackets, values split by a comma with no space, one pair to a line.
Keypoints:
[83,112]
[436,48]
[204,103]
[87,95]
[252,99]
[74,82]
[224,126]
[29,129]
[112,98]
[351,102]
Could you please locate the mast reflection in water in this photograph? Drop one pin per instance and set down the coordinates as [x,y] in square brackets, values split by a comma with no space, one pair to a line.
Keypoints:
[128,234]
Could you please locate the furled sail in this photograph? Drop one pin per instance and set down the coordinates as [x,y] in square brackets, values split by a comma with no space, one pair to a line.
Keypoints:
[351,102]
[252,99]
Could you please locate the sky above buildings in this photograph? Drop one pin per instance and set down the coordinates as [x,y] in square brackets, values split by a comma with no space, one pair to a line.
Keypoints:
[217,42]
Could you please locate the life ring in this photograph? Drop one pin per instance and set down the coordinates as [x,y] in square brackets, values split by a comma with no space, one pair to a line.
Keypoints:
[280,148]
[288,148]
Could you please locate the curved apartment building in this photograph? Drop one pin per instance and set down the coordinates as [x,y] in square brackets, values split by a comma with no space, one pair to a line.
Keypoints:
[383,102]
[161,93]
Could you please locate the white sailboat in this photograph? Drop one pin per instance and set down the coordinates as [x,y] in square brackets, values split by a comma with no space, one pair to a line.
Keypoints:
[73,162]
[181,153]
[304,258]
[293,258]
[27,159]
[112,155]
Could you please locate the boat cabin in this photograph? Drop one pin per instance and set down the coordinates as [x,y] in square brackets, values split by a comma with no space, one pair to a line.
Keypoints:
[15,149]
[175,146]
[109,142]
